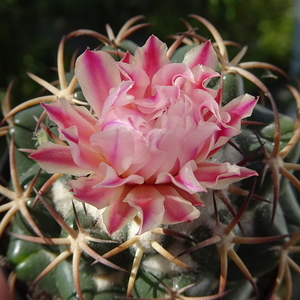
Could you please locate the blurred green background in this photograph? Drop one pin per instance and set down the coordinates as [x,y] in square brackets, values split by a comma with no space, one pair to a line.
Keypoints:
[30,30]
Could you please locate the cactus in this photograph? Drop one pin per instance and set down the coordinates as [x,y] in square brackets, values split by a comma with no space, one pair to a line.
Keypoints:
[230,235]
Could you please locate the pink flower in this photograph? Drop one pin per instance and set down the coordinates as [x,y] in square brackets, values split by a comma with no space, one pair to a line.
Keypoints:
[143,150]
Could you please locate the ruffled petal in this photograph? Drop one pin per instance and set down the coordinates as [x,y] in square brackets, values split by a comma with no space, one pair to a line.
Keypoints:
[202,76]
[117,98]
[116,143]
[185,179]
[201,55]
[117,215]
[111,178]
[157,104]
[177,209]
[66,115]
[137,76]
[173,74]
[149,203]
[152,56]
[239,108]
[97,73]
[198,140]
[85,189]
[155,157]
[230,122]
[55,158]
[83,154]
[167,144]
[220,176]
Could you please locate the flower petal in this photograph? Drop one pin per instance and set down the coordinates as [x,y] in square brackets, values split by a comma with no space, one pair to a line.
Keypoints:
[117,98]
[85,189]
[137,76]
[156,105]
[83,154]
[117,145]
[117,215]
[220,176]
[202,76]
[111,178]
[66,115]
[231,116]
[185,179]
[201,55]
[150,205]
[152,56]
[193,198]
[239,108]
[172,74]
[177,209]
[55,158]
[97,73]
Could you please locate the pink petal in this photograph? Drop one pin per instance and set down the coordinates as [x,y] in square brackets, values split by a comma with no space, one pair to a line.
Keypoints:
[117,215]
[117,97]
[154,157]
[235,111]
[117,145]
[55,158]
[97,73]
[111,178]
[192,198]
[152,56]
[128,117]
[202,76]
[66,115]
[201,55]
[206,106]
[127,58]
[83,154]
[197,142]
[239,108]
[155,105]
[167,144]
[177,209]
[85,189]
[185,179]
[149,203]
[219,176]
[172,74]
[137,76]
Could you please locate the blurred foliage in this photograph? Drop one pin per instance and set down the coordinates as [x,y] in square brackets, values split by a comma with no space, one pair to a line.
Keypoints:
[30,30]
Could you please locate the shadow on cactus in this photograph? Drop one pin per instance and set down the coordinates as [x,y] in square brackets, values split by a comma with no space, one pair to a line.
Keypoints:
[151,174]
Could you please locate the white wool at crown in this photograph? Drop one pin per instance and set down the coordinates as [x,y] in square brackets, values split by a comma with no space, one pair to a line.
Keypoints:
[104,281]
[62,199]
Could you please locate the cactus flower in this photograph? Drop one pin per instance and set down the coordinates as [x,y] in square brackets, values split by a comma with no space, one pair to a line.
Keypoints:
[144,148]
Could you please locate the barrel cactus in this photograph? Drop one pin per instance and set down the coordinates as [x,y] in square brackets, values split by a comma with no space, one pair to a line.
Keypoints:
[149,173]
